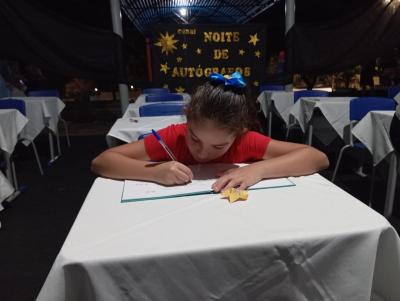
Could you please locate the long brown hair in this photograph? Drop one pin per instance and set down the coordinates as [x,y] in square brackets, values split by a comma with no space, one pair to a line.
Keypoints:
[227,106]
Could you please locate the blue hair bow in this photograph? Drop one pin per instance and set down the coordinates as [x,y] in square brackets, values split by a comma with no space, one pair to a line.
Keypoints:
[234,80]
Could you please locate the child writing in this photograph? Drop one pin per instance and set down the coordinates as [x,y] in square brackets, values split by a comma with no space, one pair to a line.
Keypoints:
[219,118]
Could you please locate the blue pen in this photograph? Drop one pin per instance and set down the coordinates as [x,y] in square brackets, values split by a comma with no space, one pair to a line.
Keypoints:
[169,152]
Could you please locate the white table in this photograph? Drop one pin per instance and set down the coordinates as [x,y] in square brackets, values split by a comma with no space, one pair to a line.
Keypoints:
[397,98]
[312,241]
[129,129]
[6,189]
[336,110]
[133,108]
[281,101]
[373,131]
[12,122]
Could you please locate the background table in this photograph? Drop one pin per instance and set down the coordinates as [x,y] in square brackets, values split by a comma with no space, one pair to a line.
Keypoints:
[6,189]
[133,108]
[129,129]
[281,101]
[373,131]
[336,110]
[42,112]
[312,241]
[12,122]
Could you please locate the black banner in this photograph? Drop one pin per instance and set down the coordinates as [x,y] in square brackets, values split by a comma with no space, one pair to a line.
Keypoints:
[183,56]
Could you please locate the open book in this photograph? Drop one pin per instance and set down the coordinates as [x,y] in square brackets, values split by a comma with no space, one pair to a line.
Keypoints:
[204,177]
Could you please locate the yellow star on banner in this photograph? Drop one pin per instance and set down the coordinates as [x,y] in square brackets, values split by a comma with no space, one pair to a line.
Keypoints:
[180,89]
[164,67]
[184,45]
[198,50]
[179,59]
[254,39]
[256,83]
[257,53]
[241,52]
[167,43]
[165,86]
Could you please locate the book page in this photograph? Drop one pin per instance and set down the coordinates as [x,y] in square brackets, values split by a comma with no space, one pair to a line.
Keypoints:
[204,176]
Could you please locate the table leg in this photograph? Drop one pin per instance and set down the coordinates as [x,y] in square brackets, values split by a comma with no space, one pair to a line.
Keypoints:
[391,185]
[9,175]
[269,123]
[51,146]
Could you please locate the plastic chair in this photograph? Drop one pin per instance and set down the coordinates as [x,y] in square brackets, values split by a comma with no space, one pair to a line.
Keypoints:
[359,107]
[161,109]
[53,93]
[309,93]
[164,97]
[155,90]
[269,87]
[393,91]
[49,93]
[19,105]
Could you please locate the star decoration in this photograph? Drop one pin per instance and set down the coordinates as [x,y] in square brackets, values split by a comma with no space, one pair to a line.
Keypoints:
[179,59]
[164,67]
[184,45]
[257,53]
[180,89]
[198,50]
[167,43]
[241,52]
[254,39]
[256,83]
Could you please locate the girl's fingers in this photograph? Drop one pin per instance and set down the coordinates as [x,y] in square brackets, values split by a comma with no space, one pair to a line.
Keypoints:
[221,183]
[182,177]
[186,170]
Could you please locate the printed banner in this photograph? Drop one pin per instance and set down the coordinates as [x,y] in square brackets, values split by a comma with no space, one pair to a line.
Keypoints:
[183,56]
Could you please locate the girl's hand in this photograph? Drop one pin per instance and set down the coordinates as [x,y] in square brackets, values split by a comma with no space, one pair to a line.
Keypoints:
[240,178]
[172,173]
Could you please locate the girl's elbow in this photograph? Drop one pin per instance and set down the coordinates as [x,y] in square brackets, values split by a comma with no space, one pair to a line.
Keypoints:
[323,161]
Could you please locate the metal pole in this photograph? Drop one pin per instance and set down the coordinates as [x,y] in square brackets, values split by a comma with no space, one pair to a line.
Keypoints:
[117,28]
[290,8]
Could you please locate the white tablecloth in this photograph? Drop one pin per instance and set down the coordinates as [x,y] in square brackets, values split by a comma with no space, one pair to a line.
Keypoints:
[6,189]
[336,110]
[12,122]
[373,132]
[42,112]
[312,241]
[281,100]
[397,98]
[133,108]
[129,129]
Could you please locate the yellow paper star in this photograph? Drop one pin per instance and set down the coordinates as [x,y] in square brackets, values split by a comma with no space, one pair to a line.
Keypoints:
[256,83]
[233,194]
[198,50]
[257,53]
[184,45]
[179,59]
[180,89]
[241,52]
[164,67]
[253,39]
[167,43]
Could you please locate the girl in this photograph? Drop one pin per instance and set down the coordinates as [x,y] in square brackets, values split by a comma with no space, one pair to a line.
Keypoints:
[219,117]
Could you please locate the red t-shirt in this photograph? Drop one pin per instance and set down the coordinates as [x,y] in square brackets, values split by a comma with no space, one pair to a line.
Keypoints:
[250,146]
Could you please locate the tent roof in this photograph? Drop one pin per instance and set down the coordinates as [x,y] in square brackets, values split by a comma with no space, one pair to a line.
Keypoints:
[144,13]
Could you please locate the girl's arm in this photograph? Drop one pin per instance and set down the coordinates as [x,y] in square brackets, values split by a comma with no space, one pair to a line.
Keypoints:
[281,159]
[131,162]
